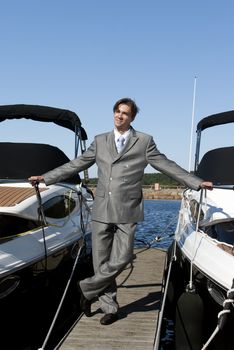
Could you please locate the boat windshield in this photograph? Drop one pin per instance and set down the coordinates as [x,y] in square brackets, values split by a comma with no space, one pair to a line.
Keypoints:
[222,232]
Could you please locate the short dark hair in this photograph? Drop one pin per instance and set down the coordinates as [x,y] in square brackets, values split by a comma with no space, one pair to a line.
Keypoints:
[127,101]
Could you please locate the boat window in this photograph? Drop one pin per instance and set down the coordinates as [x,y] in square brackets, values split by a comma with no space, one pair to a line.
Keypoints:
[59,207]
[194,209]
[223,232]
[11,225]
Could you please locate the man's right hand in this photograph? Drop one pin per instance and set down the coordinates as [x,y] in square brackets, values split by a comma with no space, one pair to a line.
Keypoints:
[35,179]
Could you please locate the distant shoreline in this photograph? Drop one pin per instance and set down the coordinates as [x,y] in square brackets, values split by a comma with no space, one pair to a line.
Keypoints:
[166,193]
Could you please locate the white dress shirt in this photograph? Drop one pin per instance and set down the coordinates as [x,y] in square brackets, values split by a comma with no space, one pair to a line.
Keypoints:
[125,135]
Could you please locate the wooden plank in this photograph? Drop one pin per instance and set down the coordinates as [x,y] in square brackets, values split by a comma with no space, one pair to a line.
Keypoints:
[140,300]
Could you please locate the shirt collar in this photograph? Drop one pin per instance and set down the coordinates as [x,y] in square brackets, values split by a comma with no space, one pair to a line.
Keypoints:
[125,135]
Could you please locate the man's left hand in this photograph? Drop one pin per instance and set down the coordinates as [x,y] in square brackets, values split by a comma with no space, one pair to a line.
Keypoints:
[207,185]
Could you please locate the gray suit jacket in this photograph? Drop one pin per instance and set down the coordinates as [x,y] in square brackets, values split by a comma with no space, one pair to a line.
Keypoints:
[118,196]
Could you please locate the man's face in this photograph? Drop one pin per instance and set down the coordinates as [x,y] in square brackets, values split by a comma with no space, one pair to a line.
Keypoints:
[123,117]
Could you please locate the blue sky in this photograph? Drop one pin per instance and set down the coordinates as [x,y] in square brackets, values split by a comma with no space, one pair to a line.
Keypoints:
[83,55]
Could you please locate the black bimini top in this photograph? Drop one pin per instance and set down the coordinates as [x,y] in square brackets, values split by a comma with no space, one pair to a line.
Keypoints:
[216,119]
[21,160]
[217,164]
[61,117]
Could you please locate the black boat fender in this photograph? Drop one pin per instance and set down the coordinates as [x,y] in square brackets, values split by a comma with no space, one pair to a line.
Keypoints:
[189,321]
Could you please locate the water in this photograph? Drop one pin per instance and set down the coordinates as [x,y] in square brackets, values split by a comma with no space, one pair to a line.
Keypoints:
[158,228]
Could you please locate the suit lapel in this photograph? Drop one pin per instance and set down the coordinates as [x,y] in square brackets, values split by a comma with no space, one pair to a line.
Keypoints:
[131,141]
[111,145]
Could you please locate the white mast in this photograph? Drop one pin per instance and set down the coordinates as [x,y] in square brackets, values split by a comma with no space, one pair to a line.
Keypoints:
[192,122]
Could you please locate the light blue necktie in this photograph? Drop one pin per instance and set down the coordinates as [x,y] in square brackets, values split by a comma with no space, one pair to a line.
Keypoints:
[120,143]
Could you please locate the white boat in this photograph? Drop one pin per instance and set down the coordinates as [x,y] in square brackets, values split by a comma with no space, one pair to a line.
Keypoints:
[44,227]
[203,248]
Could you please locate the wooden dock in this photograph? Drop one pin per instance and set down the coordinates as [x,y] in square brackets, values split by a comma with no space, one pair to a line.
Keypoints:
[139,297]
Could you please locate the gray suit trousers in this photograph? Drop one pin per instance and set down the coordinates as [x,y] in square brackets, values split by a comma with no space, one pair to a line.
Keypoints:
[112,249]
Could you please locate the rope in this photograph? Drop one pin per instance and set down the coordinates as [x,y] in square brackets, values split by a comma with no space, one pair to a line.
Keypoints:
[80,197]
[197,227]
[222,315]
[61,302]
[41,218]
[211,338]
[159,238]
[157,337]
[217,329]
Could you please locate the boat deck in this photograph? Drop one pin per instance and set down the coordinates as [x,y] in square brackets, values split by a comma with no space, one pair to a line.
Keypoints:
[10,195]
[139,297]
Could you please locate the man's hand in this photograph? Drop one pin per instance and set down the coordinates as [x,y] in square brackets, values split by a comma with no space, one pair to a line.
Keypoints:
[35,179]
[207,185]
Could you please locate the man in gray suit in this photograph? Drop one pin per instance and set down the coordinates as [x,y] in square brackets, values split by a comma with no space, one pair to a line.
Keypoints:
[121,157]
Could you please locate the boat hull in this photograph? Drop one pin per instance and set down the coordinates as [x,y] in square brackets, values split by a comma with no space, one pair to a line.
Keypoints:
[33,248]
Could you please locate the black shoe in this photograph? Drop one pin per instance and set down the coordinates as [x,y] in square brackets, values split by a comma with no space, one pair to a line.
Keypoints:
[85,304]
[109,319]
